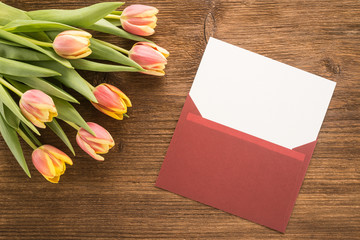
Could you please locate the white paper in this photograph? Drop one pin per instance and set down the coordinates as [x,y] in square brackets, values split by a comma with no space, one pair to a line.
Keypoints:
[260,96]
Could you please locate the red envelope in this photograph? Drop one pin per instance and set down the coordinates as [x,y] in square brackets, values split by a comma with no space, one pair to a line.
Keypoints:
[233,171]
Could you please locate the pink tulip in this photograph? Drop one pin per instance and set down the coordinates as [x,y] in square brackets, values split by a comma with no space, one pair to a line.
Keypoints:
[72,44]
[150,56]
[139,19]
[37,107]
[111,101]
[50,162]
[92,145]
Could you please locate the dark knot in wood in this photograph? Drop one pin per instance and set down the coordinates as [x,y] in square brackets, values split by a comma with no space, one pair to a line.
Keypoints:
[209,26]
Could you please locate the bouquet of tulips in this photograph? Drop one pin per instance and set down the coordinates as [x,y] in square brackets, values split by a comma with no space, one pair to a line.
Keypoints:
[39,54]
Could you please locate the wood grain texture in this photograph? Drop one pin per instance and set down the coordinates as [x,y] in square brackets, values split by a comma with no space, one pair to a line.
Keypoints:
[116,199]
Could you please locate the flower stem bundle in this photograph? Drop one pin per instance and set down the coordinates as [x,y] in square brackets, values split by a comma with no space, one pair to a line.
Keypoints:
[40,53]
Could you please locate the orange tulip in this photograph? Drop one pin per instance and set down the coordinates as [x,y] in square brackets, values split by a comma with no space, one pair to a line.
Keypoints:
[50,162]
[37,107]
[150,57]
[72,44]
[111,101]
[94,146]
[139,19]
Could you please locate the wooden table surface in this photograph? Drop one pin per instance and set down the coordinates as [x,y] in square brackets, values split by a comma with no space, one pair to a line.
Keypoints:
[116,199]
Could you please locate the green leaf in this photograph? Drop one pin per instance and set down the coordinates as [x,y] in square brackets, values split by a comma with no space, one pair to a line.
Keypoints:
[9,116]
[21,87]
[81,17]
[56,128]
[20,40]
[10,136]
[103,52]
[22,54]
[10,103]
[8,13]
[16,68]
[41,36]
[10,43]
[70,78]
[115,22]
[51,53]
[68,113]
[106,27]
[84,64]
[45,86]
[29,133]
[20,25]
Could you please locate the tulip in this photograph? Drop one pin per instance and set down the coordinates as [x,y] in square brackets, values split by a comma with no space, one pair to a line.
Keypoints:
[50,162]
[72,44]
[37,107]
[111,101]
[150,57]
[94,146]
[139,19]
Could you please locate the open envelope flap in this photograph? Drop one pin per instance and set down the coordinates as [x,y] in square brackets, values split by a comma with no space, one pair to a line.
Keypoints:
[230,173]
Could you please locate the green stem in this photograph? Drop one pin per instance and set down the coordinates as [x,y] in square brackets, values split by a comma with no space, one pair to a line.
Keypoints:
[26,139]
[113,16]
[11,87]
[73,125]
[117,12]
[39,43]
[117,48]
[125,115]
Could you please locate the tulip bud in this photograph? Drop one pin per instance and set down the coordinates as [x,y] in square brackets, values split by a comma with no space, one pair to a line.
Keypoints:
[93,146]
[72,44]
[139,19]
[50,162]
[111,101]
[37,107]
[150,57]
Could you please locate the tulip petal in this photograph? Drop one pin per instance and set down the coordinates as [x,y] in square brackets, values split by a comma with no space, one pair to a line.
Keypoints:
[163,51]
[139,10]
[100,132]
[154,73]
[58,154]
[83,55]
[43,163]
[137,30]
[100,141]
[121,94]
[86,147]
[31,118]
[103,141]
[106,97]
[58,165]
[98,148]
[37,96]
[54,179]
[145,21]
[76,33]
[108,112]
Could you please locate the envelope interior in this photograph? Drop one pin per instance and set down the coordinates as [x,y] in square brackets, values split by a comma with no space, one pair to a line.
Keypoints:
[260,96]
